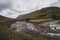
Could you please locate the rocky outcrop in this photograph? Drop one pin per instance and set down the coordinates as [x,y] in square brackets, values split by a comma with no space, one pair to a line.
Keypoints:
[35,29]
[23,26]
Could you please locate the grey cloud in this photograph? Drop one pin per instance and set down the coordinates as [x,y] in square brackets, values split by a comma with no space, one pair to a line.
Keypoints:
[4,6]
[24,7]
[56,4]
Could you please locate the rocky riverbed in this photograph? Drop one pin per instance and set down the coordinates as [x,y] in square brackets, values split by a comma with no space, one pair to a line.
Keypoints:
[50,29]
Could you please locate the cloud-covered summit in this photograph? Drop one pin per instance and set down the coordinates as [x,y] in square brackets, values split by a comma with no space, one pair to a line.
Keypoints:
[14,8]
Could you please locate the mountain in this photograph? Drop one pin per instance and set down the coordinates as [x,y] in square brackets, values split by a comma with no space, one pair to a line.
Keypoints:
[45,14]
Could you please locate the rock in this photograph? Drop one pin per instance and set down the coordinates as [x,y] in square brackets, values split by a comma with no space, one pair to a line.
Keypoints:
[22,26]
[34,29]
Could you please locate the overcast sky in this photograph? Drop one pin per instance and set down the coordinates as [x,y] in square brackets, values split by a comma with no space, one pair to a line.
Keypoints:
[14,8]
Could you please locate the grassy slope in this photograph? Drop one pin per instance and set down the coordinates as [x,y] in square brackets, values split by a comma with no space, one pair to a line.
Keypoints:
[44,14]
[3,19]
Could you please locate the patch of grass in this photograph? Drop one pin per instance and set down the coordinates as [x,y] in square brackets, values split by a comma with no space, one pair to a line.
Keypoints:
[41,20]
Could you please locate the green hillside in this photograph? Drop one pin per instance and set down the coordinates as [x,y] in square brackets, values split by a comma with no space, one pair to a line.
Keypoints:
[45,14]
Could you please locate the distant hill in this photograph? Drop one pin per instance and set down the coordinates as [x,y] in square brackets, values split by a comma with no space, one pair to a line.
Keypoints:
[45,13]
[3,19]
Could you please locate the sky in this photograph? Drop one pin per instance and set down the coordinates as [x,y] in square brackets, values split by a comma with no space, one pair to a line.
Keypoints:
[15,8]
